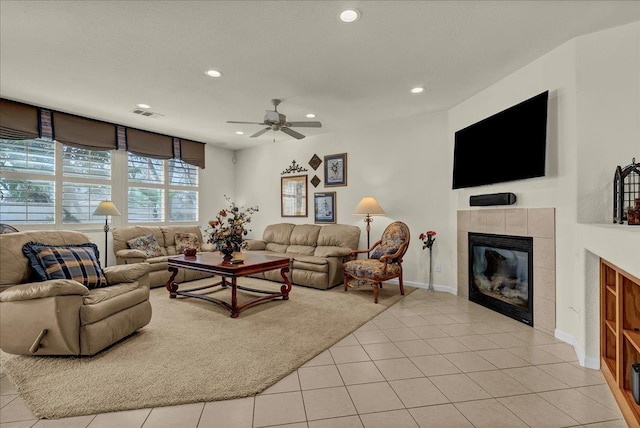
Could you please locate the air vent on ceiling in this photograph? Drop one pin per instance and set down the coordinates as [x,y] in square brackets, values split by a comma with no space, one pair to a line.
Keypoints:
[146,113]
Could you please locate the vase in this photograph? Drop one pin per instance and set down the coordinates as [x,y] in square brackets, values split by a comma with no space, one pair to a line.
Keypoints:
[227,253]
[430,283]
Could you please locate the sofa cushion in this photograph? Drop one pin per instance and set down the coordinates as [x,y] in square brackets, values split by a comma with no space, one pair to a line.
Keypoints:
[325,251]
[103,303]
[339,235]
[147,243]
[15,268]
[301,249]
[278,234]
[186,240]
[276,248]
[305,234]
[78,262]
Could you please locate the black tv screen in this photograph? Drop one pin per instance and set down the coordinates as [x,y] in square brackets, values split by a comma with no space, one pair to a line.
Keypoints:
[507,146]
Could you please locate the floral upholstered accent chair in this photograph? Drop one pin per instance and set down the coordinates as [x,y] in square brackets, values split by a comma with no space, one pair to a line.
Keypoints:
[385,261]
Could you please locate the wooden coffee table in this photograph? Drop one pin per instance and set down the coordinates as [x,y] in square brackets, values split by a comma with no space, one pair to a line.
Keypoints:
[213,263]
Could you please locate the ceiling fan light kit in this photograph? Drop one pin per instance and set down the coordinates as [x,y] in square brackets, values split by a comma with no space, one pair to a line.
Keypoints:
[276,121]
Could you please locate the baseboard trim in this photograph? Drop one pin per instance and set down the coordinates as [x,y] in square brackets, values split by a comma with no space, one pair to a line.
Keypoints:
[436,287]
[583,360]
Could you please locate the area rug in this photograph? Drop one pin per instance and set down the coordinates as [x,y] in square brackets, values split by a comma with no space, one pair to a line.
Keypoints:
[192,351]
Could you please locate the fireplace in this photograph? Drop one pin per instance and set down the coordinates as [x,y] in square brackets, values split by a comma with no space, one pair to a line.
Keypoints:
[501,274]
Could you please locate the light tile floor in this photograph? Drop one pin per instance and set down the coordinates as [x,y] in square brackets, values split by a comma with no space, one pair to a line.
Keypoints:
[431,360]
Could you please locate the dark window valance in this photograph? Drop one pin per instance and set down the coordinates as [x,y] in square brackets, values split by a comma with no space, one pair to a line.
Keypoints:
[192,153]
[149,144]
[84,133]
[18,121]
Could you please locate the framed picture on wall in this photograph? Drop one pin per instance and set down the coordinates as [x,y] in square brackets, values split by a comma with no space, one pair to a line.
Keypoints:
[293,196]
[335,170]
[324,207]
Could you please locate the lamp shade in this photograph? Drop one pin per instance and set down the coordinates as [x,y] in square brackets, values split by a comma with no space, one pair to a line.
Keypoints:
[106,208]
[369,206]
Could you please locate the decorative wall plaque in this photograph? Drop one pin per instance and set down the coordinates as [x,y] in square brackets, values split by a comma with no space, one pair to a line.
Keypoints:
[294,167]
[315,181]
[315,162]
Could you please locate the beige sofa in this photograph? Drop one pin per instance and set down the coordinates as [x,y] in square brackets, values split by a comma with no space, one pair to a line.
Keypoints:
[62,316]
[317,251]
[165,235]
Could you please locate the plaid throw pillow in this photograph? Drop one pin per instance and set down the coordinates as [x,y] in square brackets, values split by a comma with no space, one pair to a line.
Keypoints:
[77,262]
[186,240]
[148,243]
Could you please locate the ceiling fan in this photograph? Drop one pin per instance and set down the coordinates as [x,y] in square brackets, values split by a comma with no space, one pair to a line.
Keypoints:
[278,122]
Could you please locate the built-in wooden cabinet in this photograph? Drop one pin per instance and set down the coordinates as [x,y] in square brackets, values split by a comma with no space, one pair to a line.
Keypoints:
[620,334]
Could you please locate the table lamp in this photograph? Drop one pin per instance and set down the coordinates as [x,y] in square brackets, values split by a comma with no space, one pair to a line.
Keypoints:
[106,208]
[368,206]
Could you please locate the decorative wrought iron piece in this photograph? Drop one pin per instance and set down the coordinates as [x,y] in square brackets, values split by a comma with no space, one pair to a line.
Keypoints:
[294,167]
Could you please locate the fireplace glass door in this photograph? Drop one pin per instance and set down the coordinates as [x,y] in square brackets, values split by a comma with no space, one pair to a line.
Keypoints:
[501,274]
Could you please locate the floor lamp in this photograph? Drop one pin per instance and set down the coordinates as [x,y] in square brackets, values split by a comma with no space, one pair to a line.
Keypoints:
[368,206]
[106,208]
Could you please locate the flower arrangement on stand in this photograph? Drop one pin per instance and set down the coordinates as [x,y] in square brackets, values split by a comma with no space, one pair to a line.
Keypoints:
[428,238]
[229,228]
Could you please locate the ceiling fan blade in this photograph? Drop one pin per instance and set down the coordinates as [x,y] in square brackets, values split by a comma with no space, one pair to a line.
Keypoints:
[291,132]
[305,124]
[250,123]
[260,132]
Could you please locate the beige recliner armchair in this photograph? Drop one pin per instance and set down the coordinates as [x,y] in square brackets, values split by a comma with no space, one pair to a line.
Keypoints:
[62,316]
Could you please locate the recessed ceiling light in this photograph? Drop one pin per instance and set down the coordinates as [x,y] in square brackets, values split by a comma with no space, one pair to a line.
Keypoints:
[349,15]
[239,132]
[213,73]
[311,115]
[144,106]
[417,90]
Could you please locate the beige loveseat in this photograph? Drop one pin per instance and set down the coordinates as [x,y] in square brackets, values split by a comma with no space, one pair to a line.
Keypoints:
[317,251]
[165,235]
[63,316]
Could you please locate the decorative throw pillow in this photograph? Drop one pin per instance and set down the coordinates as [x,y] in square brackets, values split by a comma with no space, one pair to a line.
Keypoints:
[383,250]
[78,262]
[186,240]
[148,244]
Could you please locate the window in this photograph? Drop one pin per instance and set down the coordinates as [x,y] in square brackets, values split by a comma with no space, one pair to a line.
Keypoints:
[150,180]
[27,181]
[45,182]
[87,182]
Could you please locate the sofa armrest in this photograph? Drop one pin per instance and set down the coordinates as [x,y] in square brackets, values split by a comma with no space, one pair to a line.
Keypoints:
[255,244]
[329,251]
[40,290]
[125,273]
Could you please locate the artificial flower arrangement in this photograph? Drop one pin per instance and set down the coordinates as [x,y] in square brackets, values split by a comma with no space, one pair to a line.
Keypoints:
[229,228]
[428,238]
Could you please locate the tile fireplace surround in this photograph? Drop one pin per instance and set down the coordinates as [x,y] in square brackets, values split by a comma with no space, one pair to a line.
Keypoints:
[538,223]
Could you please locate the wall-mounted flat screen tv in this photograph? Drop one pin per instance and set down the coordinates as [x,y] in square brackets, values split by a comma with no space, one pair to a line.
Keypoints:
[507,146]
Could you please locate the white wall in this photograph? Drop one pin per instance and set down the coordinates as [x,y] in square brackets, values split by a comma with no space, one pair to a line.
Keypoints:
[594,125]
[403,163]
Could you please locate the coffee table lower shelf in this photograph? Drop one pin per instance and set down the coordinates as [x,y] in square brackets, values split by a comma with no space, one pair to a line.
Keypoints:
[233,308]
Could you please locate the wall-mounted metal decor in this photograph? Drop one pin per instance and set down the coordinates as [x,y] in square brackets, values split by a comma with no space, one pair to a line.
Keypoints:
[626,189]
[315,181]
[315,162]
[294,167]
[335,170]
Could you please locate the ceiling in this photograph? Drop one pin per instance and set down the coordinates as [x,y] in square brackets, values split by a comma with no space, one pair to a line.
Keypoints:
[101,58]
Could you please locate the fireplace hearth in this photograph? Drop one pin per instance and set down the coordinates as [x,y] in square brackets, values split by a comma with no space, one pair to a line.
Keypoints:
[501,274]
